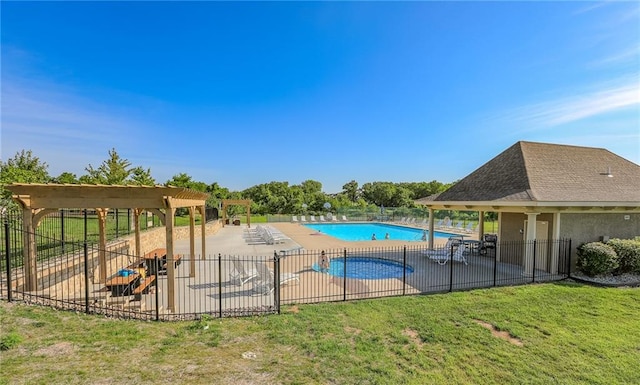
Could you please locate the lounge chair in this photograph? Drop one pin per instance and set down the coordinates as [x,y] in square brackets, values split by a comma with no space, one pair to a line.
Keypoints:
[439,223]
[303,219]
[322,218]
[459,226]
[334,218]
[470,228]
[445,254]
[294,218]
[312,218]
[239,276]
[264,283]
[344,219]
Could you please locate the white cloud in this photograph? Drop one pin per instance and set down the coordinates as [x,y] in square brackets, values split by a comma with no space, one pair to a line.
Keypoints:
[588,104]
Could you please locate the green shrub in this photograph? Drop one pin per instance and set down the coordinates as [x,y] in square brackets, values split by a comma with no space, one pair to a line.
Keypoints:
[628,251]
[9,341]
[596,258]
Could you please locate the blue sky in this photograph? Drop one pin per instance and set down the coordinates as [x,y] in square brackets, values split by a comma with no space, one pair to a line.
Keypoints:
[244,93]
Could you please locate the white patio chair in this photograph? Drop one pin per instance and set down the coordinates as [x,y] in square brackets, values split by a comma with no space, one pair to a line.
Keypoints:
[264,283]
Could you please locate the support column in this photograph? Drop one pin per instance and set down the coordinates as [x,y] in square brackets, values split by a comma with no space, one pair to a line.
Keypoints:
[203,225]
[499,237]
[529,254]
[29,251]
[136,230]
[102,245]
[431,228]
[480,225]
[555,237]
[192,242]
[171,270]
[249,215]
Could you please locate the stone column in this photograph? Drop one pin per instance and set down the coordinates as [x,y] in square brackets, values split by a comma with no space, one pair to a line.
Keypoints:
[529,256]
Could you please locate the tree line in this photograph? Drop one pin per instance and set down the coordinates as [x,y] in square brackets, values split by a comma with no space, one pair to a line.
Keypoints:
[273,197]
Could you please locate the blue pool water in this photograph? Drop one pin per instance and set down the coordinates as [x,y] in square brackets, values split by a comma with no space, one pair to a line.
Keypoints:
[363,231]
[366,268]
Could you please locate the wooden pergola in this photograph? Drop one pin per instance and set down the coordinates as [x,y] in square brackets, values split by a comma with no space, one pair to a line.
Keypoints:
[39,200]
[231,202]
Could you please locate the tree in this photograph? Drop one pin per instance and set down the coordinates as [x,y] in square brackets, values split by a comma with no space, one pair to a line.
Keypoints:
[141,177]
[186,181]
[66,177]
[351,191]
[114,170]
[22,168]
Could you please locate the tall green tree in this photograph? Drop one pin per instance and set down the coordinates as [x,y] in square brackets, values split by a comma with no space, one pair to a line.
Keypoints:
[23,167]
[350,189]
[141,177]
[185,180]
[114,170]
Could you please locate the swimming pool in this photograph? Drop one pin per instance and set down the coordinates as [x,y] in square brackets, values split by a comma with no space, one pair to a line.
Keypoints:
[364,231]
[366,268]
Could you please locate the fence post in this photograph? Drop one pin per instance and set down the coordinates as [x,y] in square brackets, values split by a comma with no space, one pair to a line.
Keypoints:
[404,270]
[451,266]
[7,257]
[62,230]
[117,223]
[533,273]
[86,278]
[495,264]
[85,225]
[344,275]
[276,281]
[220,285]
[155,261]
[568,258]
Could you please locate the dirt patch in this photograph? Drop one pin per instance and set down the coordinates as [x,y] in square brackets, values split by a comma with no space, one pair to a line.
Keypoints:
[413,336]
[59,349]
[294,310]
[351,330]
[500,334]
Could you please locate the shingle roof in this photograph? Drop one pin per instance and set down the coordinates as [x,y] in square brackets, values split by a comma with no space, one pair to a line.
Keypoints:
[529,171]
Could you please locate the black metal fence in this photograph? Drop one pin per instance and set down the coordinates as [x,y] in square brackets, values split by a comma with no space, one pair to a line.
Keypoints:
[69,277]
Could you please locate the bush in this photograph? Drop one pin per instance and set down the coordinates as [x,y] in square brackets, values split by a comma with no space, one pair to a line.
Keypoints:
[596,258]
[10,341]
[628,251]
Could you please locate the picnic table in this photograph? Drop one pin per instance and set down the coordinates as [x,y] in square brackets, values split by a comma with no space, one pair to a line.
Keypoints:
[122,284]
[161,253]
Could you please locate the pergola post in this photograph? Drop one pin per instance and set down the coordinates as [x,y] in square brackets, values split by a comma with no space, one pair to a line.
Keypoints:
[480,225]
[102,248]
[136,227]
[29,252]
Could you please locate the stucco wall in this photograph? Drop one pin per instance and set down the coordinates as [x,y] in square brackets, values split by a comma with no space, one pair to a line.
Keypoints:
[590,227]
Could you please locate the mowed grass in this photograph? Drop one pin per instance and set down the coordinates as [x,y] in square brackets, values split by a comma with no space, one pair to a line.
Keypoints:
[561,333]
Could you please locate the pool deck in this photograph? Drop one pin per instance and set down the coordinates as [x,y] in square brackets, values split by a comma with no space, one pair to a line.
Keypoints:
[212,289]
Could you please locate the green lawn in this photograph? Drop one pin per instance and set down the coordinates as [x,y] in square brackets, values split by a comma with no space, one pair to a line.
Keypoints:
[559,333]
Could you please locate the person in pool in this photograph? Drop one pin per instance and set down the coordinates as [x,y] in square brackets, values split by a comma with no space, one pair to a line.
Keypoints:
[324,262]
[373,237]
[386,236]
